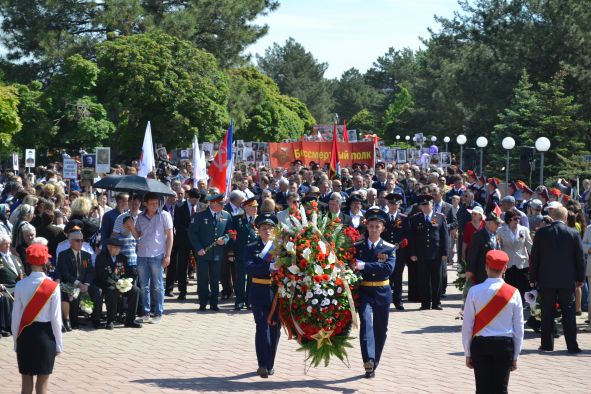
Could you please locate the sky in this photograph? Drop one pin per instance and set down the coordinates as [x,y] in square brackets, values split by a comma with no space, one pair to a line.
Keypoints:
[351,33]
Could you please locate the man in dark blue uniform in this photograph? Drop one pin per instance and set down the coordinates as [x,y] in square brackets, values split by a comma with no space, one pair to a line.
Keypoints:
[395,232]
[207,228]
[376,260]
[245,234]
[259,264]
[428,249]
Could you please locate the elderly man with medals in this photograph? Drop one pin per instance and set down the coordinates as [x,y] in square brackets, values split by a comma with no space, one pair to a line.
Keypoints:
[259,264]
[376,260]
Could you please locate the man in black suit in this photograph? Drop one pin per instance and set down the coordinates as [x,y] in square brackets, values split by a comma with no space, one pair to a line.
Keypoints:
[556,268]
[482,242]
[75,268]
[444,208]
[428,239]
[381,182]
[110,267]
[324,190]
[396,231]
[178,268]
[11,271]
[282,193]
[334,209]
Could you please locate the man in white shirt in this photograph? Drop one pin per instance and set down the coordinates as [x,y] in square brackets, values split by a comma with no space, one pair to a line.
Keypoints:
[492,330]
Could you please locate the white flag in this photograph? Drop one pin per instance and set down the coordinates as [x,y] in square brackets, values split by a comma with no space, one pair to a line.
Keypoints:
[199,167]
[147,162]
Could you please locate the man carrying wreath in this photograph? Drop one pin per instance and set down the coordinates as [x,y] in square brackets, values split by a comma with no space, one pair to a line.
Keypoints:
[376,260]
[259,264]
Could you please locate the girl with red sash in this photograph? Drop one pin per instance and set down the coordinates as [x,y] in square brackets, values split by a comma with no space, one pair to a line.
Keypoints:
[36,322]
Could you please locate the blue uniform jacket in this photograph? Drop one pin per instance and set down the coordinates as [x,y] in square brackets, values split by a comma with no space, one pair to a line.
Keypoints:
[428,241]
[376,270]
[256,267]
[203,232]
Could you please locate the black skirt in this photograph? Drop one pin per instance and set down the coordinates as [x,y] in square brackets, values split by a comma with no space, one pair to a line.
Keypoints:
[35,349]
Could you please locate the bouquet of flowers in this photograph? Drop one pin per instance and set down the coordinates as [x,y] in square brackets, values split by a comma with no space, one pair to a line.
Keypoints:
[72,291]
[124,285]
[460,281]
[86,303]
[534,300]
[316,284]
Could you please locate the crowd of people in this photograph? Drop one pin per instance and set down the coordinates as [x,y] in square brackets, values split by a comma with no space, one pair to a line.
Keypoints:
[95,238]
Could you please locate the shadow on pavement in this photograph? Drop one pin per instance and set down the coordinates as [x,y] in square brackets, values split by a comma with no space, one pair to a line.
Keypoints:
[435,329]
[234,383]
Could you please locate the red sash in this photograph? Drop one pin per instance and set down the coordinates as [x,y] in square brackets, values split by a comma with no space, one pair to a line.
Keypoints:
[494,306]
[36,303]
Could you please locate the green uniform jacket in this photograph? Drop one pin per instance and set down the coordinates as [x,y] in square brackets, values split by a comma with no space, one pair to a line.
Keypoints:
[203,232]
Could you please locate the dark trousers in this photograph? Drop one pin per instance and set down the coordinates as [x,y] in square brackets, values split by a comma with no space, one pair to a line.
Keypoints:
[374,329]
[112,297]
[566,299]
[396,280]
[266,336]
[240,283]
[430,281]
[443,277]
[414,294]
[178,269]
[96,297]
[492,358]
[208,277]
[228,275]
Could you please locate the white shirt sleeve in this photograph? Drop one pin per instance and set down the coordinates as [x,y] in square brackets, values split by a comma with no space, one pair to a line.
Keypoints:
[517,325]
[468,324]
[17,314]
[56,318]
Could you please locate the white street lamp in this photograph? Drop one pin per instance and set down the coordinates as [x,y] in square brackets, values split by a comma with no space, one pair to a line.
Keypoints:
[407,138]
[508,144]
[461,140]
[446,140]
[481,142]
[542,145]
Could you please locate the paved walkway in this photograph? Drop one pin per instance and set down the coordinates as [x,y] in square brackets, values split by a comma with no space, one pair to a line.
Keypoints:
[214,352]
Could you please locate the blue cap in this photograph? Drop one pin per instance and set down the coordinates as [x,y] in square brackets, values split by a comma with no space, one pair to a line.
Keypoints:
[219,197]
[376,214]
[265,218]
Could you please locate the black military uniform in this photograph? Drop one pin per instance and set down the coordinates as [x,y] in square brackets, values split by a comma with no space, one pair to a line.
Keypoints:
[396,231]
[428,236]
[109,269]
[245,234]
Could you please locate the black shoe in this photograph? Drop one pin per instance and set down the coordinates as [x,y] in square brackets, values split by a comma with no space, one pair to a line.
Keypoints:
[182,297]
[239,306]
[369,375]
[545,349]
[437,307]
[4,334]
[575,350]
[202,308]
[110,325]
[271,371]
[263,373]
[133,324]
[225,296]
[168,294]
[97,324]
[399,307]
[67,326]
[214,308]
[63,329]
[424,307]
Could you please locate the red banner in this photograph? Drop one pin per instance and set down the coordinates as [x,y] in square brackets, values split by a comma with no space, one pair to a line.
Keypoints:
[283,154]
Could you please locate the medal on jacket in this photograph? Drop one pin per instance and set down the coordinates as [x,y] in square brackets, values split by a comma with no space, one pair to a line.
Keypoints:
[382,257]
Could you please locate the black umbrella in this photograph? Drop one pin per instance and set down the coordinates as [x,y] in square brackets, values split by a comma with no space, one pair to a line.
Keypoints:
[134,184]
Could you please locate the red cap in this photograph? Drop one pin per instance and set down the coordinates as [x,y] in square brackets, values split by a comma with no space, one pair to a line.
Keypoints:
[497,259]
[37,254]
[555,192]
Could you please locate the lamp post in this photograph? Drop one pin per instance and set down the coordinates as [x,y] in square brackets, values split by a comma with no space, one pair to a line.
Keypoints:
[461,140]
[481,142]
[508,144]
[542,145]
[446,140]
[398,140]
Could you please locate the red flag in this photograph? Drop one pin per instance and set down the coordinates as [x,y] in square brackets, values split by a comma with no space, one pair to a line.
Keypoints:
[221,168]
[345,134]
[335,165]
[497,210]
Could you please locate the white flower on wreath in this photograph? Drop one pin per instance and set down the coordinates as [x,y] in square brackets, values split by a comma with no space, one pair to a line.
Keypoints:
[332,258]
[318,291]
[330,292]
[306,254]
[324,293]
[309,295]
[335,302]
[282,292]
[318,269]
[531,297]
[339,290]
[322,247]
[314,301]
[290,247]
[294,269]
[309,309]
[307,280]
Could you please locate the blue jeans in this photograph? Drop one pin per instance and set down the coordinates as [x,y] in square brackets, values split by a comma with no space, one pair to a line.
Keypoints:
[151,276]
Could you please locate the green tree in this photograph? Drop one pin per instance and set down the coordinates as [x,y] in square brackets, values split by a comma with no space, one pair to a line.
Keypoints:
[158,78]
[261,112]
[352,93]
[300,75]
[38,129]
[10,122]
[364,120]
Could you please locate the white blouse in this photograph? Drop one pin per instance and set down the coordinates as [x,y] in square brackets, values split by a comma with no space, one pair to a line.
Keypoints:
[51,312]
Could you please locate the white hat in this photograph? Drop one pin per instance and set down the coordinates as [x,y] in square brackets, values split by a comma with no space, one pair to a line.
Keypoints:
[476,209]
[554,204]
